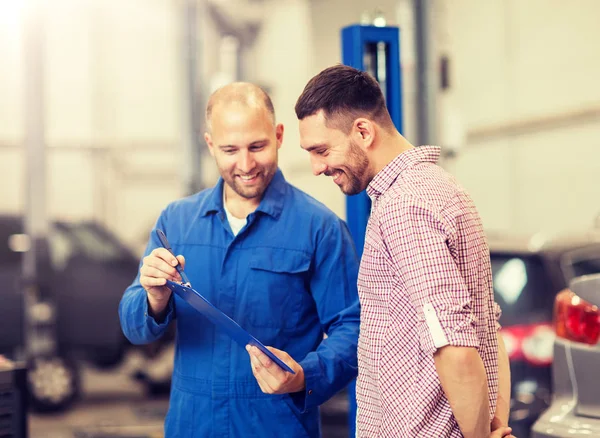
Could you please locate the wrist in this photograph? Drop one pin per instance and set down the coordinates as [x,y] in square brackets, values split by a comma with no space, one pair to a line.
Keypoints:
[300,383]
[157,307]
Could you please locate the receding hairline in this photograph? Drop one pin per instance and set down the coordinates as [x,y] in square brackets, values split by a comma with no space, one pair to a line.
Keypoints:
[241,93]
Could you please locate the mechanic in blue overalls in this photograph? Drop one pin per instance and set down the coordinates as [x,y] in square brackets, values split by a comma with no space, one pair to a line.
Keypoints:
[272,258]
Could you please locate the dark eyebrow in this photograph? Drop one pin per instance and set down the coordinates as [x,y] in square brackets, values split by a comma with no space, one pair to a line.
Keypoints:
[313,147]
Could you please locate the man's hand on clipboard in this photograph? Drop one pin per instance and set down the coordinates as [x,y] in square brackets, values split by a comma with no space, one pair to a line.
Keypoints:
[270,377]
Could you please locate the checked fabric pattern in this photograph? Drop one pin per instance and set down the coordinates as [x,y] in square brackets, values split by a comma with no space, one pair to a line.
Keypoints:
[425,282]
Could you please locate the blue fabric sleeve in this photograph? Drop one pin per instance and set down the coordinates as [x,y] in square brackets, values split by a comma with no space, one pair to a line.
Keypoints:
[137,324]
[333,286]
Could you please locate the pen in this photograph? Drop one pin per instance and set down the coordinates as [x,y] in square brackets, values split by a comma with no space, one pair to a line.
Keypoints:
[167,246]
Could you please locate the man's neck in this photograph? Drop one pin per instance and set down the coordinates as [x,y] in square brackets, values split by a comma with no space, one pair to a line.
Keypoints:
[390,146]
[237,205]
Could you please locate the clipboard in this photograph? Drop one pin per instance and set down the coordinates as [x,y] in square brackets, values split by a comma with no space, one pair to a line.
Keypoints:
[232,328]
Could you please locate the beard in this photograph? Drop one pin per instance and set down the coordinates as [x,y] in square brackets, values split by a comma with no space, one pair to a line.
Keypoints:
[259,186]
[357,171]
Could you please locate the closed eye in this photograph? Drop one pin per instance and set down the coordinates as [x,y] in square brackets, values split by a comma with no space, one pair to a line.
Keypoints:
[318,149]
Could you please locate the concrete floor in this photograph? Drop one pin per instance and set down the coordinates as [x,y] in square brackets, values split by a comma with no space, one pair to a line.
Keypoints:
[114,405]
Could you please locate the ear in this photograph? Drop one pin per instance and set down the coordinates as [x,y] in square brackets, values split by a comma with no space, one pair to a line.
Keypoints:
[209,143]
[279,134]
[363,131]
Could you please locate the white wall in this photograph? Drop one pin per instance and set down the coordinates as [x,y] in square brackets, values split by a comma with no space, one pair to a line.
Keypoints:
[530,67]
[11,107]
[525,87]
[113,112]
[115,103]
[283,59]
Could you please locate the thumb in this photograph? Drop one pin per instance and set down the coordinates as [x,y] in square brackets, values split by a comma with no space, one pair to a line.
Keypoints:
[279,353]
[496,423]
[501,432]
[181,260]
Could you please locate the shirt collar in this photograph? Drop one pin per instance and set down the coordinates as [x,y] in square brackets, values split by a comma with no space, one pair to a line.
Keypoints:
[271,203]
[386,176]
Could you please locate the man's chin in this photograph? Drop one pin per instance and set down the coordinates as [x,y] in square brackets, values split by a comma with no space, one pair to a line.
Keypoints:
[250,194]
[344,190]
[350,191]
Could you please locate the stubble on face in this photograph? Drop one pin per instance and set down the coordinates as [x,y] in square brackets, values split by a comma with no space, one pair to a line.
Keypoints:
[356,170]
[263,174]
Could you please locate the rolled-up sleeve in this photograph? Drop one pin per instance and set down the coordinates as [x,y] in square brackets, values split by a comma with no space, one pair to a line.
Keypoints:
[417,241]
[497,315]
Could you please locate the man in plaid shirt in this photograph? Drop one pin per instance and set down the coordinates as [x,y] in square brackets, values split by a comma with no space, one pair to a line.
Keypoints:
[431,361]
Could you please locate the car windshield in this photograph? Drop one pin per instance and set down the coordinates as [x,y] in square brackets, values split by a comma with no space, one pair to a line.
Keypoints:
[522,288]
[585,267]
[95,244]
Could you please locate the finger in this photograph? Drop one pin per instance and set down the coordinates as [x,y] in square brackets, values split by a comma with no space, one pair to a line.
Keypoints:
[502,432]
[147,282]
[262,357]
[148,277]
[258,368]
[181,260]
[258,372]
[264,387]
[270,373]
[285,358]
[165,255]
[496,423]
[271,367]
[153,261]
[150,271]
[279,353]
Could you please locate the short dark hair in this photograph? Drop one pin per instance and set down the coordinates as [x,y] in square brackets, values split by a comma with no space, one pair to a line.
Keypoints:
[344,94]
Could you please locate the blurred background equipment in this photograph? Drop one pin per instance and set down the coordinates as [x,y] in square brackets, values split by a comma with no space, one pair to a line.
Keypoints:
[13,399]
[82,271]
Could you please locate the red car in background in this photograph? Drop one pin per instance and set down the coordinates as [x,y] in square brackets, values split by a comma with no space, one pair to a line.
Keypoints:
[528,273]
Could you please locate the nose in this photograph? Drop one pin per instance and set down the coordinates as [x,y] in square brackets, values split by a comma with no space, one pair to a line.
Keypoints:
[246,161]
[317,167]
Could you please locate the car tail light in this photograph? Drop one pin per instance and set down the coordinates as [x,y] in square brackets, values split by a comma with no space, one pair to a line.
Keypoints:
[532,343]
[576,319]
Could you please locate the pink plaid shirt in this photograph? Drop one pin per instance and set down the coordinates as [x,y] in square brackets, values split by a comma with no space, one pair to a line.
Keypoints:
[425,282]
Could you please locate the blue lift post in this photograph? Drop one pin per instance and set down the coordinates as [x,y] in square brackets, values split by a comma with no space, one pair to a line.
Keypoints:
[376,50]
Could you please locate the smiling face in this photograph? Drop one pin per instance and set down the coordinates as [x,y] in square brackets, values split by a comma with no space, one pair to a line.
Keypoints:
[244,142]
[335,154]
